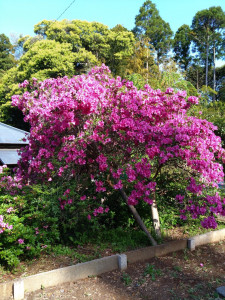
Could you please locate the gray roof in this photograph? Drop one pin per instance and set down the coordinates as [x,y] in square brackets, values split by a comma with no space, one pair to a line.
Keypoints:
[9,156]
[11,135]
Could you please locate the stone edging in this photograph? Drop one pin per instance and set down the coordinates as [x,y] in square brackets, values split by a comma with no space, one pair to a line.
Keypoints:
[206,238]
[102,265]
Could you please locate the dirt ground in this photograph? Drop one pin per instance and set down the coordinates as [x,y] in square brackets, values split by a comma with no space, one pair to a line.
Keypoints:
[180,275]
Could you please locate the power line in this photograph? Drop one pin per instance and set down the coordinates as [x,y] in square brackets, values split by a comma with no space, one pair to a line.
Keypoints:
[65,10]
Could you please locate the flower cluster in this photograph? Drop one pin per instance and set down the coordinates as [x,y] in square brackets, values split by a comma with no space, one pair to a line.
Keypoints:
[2,168]
[100,210]
[66,199]
[201,204]
[3,225]
[104,129]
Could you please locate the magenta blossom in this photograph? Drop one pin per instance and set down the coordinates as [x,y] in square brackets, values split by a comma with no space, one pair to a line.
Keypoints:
[20,241]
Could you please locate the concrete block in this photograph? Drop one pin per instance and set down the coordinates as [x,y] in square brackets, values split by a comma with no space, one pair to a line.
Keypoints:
[71,273]
[170,247]
[159,250]
[18,289]
[6,290]
[140,254]
[122,262]
[209,237]
[191,244]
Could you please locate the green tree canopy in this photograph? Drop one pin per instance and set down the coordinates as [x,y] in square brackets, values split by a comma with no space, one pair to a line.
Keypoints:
[7,60]
[181,46]
[149,23]
[46,59]
[108,46]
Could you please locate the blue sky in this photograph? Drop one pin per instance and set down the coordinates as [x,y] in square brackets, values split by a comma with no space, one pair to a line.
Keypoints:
[20,16]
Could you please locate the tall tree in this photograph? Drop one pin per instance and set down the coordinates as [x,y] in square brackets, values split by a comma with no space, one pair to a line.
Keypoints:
[181,46]
[7,60]
[149,24]
[208,27]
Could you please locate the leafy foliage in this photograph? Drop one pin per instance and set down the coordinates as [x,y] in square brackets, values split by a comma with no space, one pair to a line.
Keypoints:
[181,46]
[7,60]
[148,23]
[33,221]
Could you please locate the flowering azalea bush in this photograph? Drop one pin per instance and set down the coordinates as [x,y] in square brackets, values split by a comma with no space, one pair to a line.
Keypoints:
[102,132]
[28,222]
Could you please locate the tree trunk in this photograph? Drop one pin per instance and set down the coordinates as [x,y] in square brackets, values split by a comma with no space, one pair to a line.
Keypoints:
[197,81]
[155,218]
[214,72]
[207,61]
[147,65]
[138,218]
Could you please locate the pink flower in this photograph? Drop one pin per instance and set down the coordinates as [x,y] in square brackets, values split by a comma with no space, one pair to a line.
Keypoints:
[20,241]
[118,186]
[179,198]
[9,209]
[82,198]
[147,200]
[193,99]
[66,192]
[99,186]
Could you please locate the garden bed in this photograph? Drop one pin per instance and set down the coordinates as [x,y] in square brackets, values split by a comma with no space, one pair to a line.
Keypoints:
[180,275]
[66,256]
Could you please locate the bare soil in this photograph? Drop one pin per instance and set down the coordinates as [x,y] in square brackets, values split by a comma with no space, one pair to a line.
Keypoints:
[180,275]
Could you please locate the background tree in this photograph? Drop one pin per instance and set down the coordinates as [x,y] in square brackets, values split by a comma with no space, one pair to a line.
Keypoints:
[7,60]
[208,26]
[182,46]
[148,23]
[46,59]
[121,48]
[142,61]
[196,74]
[112,47]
